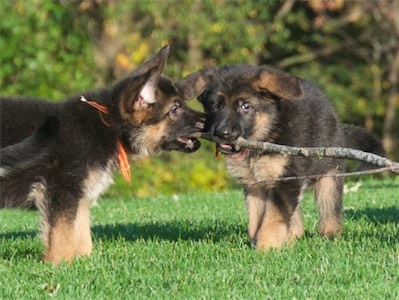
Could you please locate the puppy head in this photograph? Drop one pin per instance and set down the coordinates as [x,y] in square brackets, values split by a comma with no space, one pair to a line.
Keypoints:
[241,101]
[155,117]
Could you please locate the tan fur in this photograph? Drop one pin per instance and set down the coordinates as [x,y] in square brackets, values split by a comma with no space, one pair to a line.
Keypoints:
[61,242]
[296,225]
[330,223]
[38,195]
[3,172]
[147,142]
[267,225]
[139,117]
[256,206]
[257,169]
[200,84]
[97,181]
[286,87]
[69,238]
[84,244]
[262,126]
[296,229]
[273,232]
[268,81]
[268,167]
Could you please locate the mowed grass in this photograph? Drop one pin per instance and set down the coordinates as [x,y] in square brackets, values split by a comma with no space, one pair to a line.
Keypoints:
[196,247]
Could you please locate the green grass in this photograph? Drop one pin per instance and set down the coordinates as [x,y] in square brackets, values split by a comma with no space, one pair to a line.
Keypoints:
[196,247]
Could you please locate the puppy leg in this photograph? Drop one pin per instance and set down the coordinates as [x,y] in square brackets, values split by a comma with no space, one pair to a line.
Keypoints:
[256,206]
[274,229]
[82,229]
[328,193]
[61,244]
[68,235]
[296,225]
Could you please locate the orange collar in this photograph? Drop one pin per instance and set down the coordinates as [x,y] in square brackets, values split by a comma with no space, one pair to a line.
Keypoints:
[123,161]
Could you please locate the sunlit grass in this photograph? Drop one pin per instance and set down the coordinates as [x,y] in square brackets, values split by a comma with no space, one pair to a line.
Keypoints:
[195,246]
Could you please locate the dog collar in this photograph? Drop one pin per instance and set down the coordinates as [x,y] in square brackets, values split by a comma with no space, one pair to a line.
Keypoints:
[123,161]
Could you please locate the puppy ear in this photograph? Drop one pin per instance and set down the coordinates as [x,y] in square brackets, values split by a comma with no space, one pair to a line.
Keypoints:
[158,60]
[279,83]
[194,84]
[138,89]
[138,92]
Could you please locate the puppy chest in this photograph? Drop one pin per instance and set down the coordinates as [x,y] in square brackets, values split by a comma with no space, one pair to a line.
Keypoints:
[97,181]
[264,168]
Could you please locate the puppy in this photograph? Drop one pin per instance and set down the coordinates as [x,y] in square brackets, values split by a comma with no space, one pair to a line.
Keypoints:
[268,105]
[140,115]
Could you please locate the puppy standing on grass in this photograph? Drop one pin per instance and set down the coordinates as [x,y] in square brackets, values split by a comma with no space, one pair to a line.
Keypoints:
[268,105]
[140,115]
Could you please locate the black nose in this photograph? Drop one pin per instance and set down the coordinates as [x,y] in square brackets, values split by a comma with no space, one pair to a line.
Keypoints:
[227,133]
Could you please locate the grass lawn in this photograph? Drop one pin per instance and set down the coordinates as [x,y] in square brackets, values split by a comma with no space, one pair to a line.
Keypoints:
[196,247]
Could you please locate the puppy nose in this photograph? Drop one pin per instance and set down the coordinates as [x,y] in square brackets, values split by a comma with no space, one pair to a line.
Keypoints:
[226,133]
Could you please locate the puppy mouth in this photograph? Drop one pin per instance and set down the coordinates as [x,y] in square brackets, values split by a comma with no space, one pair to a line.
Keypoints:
[229,149]
[189,144]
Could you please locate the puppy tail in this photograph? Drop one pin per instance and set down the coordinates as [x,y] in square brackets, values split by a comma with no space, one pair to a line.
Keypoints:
[359,138]
[47,132]
[31,150]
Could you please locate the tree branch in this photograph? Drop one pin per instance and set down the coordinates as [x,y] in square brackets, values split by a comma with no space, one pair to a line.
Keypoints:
[309,56]
[330,152]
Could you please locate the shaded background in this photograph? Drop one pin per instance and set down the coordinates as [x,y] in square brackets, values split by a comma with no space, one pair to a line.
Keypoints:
[52,49]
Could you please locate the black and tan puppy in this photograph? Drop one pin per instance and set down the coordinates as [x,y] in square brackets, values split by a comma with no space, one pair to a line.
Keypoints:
[265,104]
[140,115]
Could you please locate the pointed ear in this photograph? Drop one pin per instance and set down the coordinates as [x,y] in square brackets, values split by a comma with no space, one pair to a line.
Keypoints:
[279,83]
[138,92]
[158,60]
[194,84]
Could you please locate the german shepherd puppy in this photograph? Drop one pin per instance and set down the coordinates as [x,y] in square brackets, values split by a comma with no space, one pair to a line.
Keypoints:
[268,105]
[140,115]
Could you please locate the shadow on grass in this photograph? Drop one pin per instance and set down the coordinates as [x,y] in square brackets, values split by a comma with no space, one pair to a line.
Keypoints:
[378,217]
[375,215]
[214,231]
[19,234]
[25,250]
[204,230]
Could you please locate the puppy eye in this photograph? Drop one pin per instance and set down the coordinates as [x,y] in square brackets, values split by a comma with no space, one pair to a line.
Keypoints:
[215,106]
[175,110]
[246,106]
[218,102]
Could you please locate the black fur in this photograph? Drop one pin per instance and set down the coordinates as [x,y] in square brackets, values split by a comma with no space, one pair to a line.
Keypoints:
[21,155]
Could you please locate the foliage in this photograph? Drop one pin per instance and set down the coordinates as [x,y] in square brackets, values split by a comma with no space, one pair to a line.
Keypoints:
[44,51]
[192,247]
[173,174]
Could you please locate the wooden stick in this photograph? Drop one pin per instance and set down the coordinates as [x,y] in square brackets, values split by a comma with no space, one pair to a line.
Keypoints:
[330,152]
